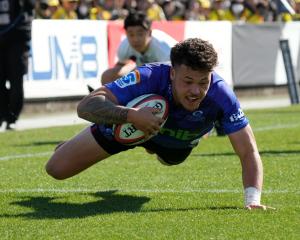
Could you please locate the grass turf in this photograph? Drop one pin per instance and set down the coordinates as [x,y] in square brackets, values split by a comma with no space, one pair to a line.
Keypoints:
[132,196]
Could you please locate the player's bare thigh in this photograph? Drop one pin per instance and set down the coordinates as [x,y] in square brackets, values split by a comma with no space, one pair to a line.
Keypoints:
[75,155]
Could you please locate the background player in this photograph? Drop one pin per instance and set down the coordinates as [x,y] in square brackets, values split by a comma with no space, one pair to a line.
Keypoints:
[140,46]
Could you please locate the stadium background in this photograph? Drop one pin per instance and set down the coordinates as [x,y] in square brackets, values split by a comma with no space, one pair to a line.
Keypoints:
[66,55]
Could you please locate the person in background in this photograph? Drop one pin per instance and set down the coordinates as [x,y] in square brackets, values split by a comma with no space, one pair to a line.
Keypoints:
[67,10]
[101,10]
[153,11]
[119,12]
[174,10]
[139,47]
[197,97]
[15,34]
[44,9]
[83,9]
[198,10]
[296,16]
[218,10]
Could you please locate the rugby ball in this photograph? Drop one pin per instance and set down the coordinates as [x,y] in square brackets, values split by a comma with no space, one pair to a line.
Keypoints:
[126,133]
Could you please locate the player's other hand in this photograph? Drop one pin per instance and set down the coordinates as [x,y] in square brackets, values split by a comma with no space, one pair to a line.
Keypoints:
[259,206]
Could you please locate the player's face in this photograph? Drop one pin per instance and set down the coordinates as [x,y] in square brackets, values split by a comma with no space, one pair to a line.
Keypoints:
[189,87]
[138,37]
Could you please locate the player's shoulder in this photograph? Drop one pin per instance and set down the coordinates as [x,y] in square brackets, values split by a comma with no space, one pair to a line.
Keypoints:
[219,90]
[218,83]
[161,67]
[157,72]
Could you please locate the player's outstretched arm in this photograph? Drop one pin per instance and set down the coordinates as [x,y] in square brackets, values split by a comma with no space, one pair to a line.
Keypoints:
[245,147]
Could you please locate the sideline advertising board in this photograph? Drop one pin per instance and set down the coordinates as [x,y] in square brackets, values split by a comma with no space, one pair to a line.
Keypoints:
[66,55]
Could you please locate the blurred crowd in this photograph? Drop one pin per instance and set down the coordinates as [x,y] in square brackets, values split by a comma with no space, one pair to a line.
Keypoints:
[252,11]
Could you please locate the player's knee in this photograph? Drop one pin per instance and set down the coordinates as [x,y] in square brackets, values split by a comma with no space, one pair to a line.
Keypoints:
[54,171]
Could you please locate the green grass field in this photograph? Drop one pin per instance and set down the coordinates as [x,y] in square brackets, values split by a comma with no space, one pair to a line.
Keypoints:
[133,196]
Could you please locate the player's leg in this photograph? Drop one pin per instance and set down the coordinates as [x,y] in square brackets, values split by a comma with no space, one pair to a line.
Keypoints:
[85,149]
[75,155]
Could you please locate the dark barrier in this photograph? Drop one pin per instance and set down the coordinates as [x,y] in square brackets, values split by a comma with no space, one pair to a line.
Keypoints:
[290,74]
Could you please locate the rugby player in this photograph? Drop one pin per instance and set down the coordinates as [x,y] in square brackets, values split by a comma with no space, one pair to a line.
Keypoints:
[197,96]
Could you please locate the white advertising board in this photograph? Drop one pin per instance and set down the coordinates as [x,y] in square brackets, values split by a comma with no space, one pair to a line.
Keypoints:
[66,55]
[219,34]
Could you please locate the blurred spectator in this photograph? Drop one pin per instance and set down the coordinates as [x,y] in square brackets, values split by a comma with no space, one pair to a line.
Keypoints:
[83,9]
[266,9]
[119,12]
[296,16]
[67,10]
[44,9]
[244,11]
[130,4]
[198,10]
[152,9]
[174,10]
[252,11]
[218,10]
[236,11]
[101,11]
[15,33]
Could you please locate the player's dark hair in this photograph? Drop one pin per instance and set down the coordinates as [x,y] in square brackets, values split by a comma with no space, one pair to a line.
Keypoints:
[137,18]
[194,53]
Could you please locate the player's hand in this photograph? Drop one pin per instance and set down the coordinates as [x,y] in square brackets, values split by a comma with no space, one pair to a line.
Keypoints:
[145,120]
[255,206]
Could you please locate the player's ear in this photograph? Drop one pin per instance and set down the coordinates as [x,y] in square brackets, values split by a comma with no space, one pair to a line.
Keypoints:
[172,73]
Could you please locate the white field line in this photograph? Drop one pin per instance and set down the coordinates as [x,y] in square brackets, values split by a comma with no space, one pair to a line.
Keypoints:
[85,190]
[281,126]
[29,155]
[41,154]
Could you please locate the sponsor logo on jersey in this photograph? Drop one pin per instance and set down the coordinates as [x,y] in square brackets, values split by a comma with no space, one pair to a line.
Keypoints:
[235,117]
[129,79]
[196,116]
[180,134]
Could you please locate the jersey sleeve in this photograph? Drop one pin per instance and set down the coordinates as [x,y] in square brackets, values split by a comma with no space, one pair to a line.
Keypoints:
[232,118]
[143,80]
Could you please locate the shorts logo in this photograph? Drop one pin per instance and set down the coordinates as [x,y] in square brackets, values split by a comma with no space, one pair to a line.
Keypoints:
[237,116]
[129,79]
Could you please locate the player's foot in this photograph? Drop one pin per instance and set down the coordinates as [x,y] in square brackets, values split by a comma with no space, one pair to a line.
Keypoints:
[10,126]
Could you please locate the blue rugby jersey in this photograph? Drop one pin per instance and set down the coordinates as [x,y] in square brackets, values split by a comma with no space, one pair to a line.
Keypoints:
[183,129]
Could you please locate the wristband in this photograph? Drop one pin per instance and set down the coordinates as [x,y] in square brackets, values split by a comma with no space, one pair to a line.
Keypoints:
[252,196]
